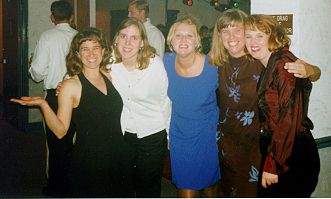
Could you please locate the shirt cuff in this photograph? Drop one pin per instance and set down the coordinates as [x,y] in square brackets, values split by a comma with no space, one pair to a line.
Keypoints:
[270,165]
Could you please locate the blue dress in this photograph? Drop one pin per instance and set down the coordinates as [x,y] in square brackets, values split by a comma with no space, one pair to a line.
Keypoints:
[192,137]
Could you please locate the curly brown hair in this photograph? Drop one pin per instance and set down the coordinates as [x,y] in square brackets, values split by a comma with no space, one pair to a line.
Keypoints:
[74,63]
[268,25]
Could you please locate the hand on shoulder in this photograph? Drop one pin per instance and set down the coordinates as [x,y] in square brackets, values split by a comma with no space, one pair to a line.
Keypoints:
[70,85]
[70,89]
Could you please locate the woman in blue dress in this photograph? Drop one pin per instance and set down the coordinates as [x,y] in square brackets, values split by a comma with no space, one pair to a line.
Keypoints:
[192,86]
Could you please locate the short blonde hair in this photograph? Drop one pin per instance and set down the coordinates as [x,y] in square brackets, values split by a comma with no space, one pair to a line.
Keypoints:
[187,19]
[268,25]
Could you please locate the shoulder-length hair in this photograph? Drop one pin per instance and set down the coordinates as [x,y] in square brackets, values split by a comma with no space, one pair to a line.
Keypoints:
[229,18]
[74,63]
[268,25]
[145,53]
[187,19]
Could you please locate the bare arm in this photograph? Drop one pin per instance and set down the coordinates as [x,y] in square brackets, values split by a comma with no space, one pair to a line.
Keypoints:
[58,123]
[302,69]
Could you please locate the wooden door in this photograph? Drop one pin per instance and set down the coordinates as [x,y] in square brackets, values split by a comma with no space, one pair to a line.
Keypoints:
[1,49]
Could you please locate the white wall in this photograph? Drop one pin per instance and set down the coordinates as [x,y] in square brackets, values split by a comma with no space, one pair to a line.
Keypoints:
[311,41]
[315,42]
[157,11]
[38,21]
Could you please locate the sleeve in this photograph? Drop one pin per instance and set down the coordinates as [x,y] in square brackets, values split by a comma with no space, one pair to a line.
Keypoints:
[40,60]
[165,100]
[157,40]
[280,99]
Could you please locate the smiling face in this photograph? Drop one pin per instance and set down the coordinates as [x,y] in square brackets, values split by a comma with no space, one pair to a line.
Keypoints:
[257,45]
[184,41]
[91,52]
[129,42]
[233,37]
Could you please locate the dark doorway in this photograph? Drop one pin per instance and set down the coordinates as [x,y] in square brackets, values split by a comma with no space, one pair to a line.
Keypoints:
[116,17]
[171,17]
[14,60]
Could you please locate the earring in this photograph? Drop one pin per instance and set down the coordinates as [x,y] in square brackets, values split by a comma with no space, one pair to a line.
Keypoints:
[111,60]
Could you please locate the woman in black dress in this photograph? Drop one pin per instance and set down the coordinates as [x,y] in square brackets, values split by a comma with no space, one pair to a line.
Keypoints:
[100,160]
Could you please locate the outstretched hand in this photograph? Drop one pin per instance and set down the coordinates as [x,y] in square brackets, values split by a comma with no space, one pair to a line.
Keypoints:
[29,101]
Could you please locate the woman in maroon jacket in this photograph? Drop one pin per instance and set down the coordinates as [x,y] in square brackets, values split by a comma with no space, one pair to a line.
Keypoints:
[290,165]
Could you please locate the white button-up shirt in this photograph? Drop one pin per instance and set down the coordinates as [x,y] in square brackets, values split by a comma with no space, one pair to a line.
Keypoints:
[48,61]
[155,37]
[146,107]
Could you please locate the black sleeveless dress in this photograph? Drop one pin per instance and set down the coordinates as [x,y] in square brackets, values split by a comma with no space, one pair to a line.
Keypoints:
[101,164]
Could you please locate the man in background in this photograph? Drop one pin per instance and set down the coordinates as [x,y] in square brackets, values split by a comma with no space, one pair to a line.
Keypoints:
[139,9]
[49,65]
[205,39]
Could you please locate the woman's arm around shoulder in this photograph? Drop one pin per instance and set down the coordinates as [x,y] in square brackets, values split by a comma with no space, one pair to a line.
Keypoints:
[302,69]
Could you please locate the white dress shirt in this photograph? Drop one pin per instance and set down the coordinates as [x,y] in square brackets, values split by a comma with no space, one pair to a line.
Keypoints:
[48,61]
[155,37]
[146,108]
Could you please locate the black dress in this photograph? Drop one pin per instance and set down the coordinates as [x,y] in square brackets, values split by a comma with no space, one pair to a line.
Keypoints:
[101,163]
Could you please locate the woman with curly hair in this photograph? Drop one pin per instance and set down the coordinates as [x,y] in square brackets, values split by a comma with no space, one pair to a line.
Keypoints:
[100,161]
[290,160]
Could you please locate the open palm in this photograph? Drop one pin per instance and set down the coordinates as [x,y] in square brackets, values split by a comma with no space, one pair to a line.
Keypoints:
[29,101]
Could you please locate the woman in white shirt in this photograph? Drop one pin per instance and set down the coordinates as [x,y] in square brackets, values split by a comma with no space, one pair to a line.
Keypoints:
[139,76]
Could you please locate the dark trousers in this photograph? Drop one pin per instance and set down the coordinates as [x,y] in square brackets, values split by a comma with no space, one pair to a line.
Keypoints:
[59,154]
[304,166]
[149,153]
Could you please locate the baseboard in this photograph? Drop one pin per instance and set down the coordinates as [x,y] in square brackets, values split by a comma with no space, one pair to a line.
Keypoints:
[323,142]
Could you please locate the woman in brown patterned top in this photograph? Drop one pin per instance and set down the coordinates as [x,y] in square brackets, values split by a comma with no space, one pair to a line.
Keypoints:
[239,122]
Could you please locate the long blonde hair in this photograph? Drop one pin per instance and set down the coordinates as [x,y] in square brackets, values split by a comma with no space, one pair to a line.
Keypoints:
[145,53]
[232,17]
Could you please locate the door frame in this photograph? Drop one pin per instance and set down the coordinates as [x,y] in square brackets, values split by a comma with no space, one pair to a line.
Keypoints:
[21,63]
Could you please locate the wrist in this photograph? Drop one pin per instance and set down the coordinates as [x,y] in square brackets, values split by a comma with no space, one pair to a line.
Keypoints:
[43,103]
